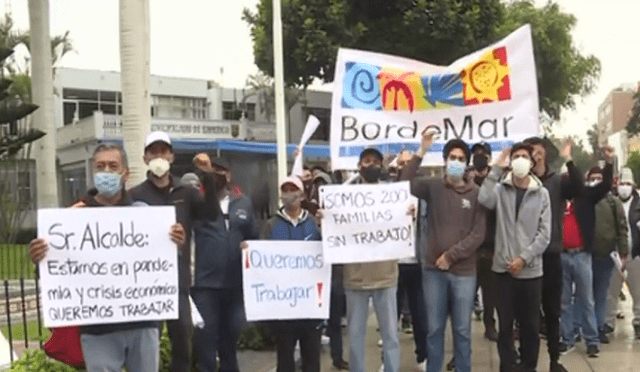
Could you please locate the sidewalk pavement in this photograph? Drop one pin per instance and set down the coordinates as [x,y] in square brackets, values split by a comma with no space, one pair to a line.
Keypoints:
[621,355]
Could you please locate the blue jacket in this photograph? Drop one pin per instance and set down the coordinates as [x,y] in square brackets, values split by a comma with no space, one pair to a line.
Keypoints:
[280,227]
[218,255]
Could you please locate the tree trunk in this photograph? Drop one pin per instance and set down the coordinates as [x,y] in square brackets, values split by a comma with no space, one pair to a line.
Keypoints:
[136,95]
[42,92]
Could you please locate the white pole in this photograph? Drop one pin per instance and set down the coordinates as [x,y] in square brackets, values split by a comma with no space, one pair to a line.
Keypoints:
[281,133]
[135,76]
[42,90]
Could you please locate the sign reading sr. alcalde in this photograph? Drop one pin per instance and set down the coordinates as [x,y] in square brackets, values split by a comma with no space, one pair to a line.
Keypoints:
[108,265]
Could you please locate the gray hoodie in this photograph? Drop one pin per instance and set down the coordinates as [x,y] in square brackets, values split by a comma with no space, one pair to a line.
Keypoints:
[526,235]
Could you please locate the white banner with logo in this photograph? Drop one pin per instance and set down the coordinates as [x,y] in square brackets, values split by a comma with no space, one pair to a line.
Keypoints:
[386,102]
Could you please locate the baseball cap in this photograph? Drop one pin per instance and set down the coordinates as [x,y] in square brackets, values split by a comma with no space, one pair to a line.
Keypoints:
[372,151]
[158,136]
[481,145]
[295,180]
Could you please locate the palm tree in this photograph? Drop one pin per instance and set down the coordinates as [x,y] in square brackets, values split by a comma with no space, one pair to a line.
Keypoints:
[42,92]
[136,95]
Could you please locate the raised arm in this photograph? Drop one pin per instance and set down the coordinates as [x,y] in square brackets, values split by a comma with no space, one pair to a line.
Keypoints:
[420,185]
[205,206]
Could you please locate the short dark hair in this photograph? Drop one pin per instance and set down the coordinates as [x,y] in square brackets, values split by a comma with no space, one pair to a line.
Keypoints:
[536,141]
[108,147]
[456,143]
[522,146]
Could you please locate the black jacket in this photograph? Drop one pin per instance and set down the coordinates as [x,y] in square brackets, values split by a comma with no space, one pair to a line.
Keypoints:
[191,205]
[585,201]
[218,254]
[560,190]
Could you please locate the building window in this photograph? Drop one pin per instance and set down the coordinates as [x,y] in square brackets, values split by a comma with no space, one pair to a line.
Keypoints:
[81,103]
[179,107]
[324,115]
[233,111]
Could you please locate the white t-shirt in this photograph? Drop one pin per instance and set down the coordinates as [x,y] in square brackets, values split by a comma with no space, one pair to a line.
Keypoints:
[224,207]
[627,205]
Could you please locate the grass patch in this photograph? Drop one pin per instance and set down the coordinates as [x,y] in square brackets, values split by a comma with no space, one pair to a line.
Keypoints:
[15,262]
[17,331]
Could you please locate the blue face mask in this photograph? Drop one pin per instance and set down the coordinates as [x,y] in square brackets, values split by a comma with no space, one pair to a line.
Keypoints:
[107,183]
[456,169]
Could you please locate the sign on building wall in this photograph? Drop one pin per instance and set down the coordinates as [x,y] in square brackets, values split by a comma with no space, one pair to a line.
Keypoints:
[108,265]
[177,128]
[285,280]
[387,102]
[366,223]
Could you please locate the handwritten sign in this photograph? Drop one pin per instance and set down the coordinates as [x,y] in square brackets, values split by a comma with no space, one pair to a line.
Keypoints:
[108,265]
[386,102]
[367,223]
[285,280]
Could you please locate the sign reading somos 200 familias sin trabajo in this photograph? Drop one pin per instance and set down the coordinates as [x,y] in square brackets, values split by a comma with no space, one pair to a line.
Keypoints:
[367,222]
[285,280]
[386,102]
[108,265]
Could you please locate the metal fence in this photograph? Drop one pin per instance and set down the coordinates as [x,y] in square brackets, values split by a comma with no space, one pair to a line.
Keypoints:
[15,263]
[20,307]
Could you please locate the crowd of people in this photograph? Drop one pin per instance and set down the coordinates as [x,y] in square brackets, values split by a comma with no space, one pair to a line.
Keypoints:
[547,249]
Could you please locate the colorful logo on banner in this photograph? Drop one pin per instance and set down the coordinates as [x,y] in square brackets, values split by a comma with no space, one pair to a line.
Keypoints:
[372,87]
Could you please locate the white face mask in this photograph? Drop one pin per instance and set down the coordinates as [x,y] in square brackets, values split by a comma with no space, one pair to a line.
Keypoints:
[592,183]
[625,191]
[521,167]
[159,167]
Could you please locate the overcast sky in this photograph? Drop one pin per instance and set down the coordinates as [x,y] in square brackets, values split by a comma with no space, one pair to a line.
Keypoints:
[198,38]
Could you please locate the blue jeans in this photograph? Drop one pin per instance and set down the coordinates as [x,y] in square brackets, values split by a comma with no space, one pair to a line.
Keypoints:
[384,304]
[602,268]
[223,313]
[136,349]
[448,294]
[577,269]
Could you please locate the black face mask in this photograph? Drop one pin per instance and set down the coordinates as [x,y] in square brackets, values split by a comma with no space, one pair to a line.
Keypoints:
[371,174]
[480,162]
[220,181]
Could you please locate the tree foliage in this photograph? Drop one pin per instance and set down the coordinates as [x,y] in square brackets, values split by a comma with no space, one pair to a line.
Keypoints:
[633,162]
[633,123]
[436,32]
[263,87]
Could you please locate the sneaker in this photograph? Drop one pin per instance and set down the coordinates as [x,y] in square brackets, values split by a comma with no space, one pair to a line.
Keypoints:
[341,365]
[592,351]
[608,329]
[381,368]
[557,367]
[604,339]
[380,342]
[564,348]
[422,366]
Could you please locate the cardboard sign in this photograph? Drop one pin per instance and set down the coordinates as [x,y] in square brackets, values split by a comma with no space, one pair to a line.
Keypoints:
[386,102]
[108,265]
[285,280]
[367,223]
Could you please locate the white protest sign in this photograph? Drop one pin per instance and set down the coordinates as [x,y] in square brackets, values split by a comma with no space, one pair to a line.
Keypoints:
[386,102]
[108,265]
[285,280]
[309,129]
[367,223]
